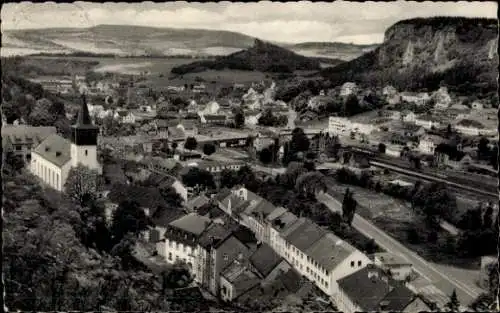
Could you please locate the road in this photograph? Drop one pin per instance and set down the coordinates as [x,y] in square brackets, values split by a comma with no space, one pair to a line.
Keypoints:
[443,279]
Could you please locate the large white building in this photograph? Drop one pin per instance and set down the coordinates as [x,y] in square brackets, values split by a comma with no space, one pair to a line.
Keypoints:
[54,157]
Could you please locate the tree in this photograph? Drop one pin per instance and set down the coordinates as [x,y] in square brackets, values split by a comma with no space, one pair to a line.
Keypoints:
[129,217]
[239,119]
[488,217]
[434,202]
[453,305]
[209,148]
[228,178]
[381,148]
[81,183]
[483,150]
[349,205]
[311,183]
[190,143]
[351,105]
[198,177]
[40,115]
[266,156]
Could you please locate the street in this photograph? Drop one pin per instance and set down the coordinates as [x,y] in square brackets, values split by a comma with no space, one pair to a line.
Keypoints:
[442,278]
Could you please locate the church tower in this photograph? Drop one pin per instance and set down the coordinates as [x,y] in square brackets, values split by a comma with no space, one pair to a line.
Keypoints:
[84,140]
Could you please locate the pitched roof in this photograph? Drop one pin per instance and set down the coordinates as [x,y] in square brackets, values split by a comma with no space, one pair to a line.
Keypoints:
[222,194]
[305,235]
[25,134]
[161,180]
[265,259]
[366,292]
[329,251]
[192,223]
[292,280]
[276,213]
[213,117]
[285,220]
[176,133]
[398,299]
[264,207]
[55,149]
[146,197]
[240,277]
[197,202]
[233,199]
[213,234]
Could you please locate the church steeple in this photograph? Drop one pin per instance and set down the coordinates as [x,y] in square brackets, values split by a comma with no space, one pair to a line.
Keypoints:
[84,133]
[84,115]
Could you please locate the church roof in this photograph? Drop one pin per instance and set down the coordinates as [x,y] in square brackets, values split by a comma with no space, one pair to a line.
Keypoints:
[55,149]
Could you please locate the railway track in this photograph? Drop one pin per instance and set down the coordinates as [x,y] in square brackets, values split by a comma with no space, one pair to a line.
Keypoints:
[432,178]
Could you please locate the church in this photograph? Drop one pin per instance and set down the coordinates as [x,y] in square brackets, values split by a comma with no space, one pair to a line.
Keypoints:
[54,157]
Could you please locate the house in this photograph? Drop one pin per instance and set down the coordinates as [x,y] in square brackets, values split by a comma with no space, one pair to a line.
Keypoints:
[145,108]
[354,159]
[469,127]
[164,180]
[53,158]
[416,98]
[197,202]
[181,239]
[398,266]
[176,134]
[237,279]
[252,99]
[362,128]
[252,118]
[160,165]
[428,143]
[369,289]
[238,244]
[389,91]
[277,226]
[124,116]
[391,114]
[211,108]
[199,88]
[427,121]
[441,98]
[21,139]
[254,217]
[217,167]
[477,105]
[214,119]
[448,155]
[408,116]
[161,126]
[348,89]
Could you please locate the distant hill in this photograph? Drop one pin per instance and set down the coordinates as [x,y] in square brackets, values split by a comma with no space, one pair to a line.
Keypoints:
[262,56]
[419,54]
[336,50]
[126,40]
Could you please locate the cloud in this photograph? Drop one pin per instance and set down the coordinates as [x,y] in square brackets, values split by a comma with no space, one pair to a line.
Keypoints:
[276,21]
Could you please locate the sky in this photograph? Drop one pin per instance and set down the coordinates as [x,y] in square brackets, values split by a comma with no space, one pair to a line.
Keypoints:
[293,22]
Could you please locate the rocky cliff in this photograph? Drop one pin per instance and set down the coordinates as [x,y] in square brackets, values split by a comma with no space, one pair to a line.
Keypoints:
[423,53]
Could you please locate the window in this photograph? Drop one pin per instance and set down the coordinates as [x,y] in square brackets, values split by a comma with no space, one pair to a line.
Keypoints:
[352,263]
[326,284]
[86,152]
[19,148]
[359,263]
[170,243]
[307,269]
[184,249]
[170,256]
[226,257]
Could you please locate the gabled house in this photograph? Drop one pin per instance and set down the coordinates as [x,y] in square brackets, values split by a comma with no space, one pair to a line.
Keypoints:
[369,289]
[428,144]
[427,121]
[21,139]
[124,116]
[211,119]
[397,266]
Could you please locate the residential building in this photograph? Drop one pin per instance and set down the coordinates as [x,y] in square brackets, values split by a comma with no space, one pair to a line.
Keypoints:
[441,98]
[427,121]
[348,89]
[148,198]
[237,279]
[397,266]
[197,202]
[321,256]
[124,116]
[252,118]
[408,116]
[211,108]
[471,128]
[21,139]
[477,105]
[181,239]
[369,289]
[252,99]
[161,180]
[161,126]
[54,157]
[389,91]
[199,88]
[213,119]
[278,226]
[417,98]
[217,167]
[428,143]
[362,128]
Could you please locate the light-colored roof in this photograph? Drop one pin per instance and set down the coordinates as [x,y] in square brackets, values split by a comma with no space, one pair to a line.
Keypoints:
[305,235]
[391,259]
[197,202]
[55,149]
[192,223]
[329,251]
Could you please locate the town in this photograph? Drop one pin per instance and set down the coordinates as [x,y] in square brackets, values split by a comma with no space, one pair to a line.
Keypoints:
[258,195]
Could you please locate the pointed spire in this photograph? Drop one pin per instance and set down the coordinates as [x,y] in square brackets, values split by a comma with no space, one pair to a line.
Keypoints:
[84,115]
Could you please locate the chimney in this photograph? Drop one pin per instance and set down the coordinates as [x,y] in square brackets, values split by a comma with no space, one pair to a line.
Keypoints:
[372,272]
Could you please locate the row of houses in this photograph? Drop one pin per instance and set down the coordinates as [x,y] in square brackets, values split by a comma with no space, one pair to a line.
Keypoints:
[284,242]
